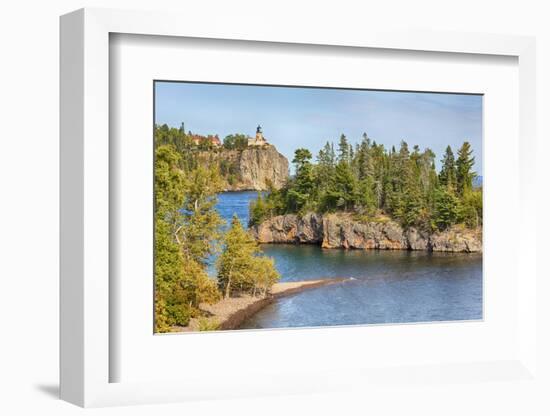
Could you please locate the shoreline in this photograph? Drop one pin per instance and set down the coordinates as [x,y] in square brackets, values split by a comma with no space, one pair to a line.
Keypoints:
[230,313]
[236,191]
[344,231]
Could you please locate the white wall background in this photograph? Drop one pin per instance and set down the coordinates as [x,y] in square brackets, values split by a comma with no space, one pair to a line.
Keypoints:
[29,56]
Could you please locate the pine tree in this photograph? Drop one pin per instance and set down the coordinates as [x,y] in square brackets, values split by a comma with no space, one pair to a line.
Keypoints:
[426,171]
[379,167]
[343,150]
[464,163]
[345,191]
[412,199]
[364,160]
[301,190]
[324,172]
[367,197]
[326,160]
[398,173]
[447,176]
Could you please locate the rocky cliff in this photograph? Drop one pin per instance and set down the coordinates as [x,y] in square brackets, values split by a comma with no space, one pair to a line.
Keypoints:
[253,168]
[342,231]
[261,166]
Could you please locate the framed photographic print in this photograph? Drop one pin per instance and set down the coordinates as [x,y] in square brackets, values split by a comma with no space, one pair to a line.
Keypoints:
[238,211]
[292,231]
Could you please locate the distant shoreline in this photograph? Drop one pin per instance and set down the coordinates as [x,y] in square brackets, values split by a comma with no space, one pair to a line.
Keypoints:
[234,191]
[343,231]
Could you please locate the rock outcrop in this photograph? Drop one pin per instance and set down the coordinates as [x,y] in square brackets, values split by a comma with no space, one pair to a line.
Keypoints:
[260,167]
[342,231]
[254,168]
[291,229]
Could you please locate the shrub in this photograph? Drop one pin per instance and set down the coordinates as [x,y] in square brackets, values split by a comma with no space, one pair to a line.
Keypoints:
[181,314]
[206,324]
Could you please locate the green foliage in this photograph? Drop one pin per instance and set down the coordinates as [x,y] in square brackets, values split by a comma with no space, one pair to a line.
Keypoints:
[162,321]
[169,182]
[235,142]
[464,164]
[229,168]
[344,193]
[240,266]
[302,186]
[447,176]
[264,274]
[206,324]
[186,227]
[366,200]
[258,210]
[447,208]
[234,264]
[201,221]
[204,153]
[169,193]
[371,182]
[472,207]
[324,174]
[412,203]
[180,142]
[188,177]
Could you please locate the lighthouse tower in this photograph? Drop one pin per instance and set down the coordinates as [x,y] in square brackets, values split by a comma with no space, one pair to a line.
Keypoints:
[259,140]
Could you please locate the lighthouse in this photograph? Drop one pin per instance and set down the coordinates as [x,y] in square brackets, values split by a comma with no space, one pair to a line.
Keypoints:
[259,140]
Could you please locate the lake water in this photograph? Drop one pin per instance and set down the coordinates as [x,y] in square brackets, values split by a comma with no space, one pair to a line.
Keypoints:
[387,286]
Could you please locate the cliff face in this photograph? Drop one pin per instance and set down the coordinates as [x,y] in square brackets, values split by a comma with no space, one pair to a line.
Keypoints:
[259,167]
[253,168]
[341,231]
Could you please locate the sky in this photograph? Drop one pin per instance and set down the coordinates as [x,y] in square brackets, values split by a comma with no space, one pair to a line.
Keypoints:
[293,117]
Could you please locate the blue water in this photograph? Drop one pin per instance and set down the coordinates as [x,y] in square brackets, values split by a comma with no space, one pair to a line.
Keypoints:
[230,203]
[387,286]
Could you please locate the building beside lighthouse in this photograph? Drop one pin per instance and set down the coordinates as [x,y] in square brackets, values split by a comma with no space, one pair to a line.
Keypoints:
[259,140]
[209,140]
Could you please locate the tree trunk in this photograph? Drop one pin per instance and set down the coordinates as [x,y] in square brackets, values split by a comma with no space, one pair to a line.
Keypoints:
[228,288]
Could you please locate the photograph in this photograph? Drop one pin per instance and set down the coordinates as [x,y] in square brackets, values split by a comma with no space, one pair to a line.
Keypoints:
[282,207]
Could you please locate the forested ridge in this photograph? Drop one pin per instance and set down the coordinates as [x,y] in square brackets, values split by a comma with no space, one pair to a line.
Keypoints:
[242,167]
[190,150]
[376,184]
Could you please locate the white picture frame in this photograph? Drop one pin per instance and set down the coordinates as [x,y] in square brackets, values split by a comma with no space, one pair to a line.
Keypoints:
[86,356]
